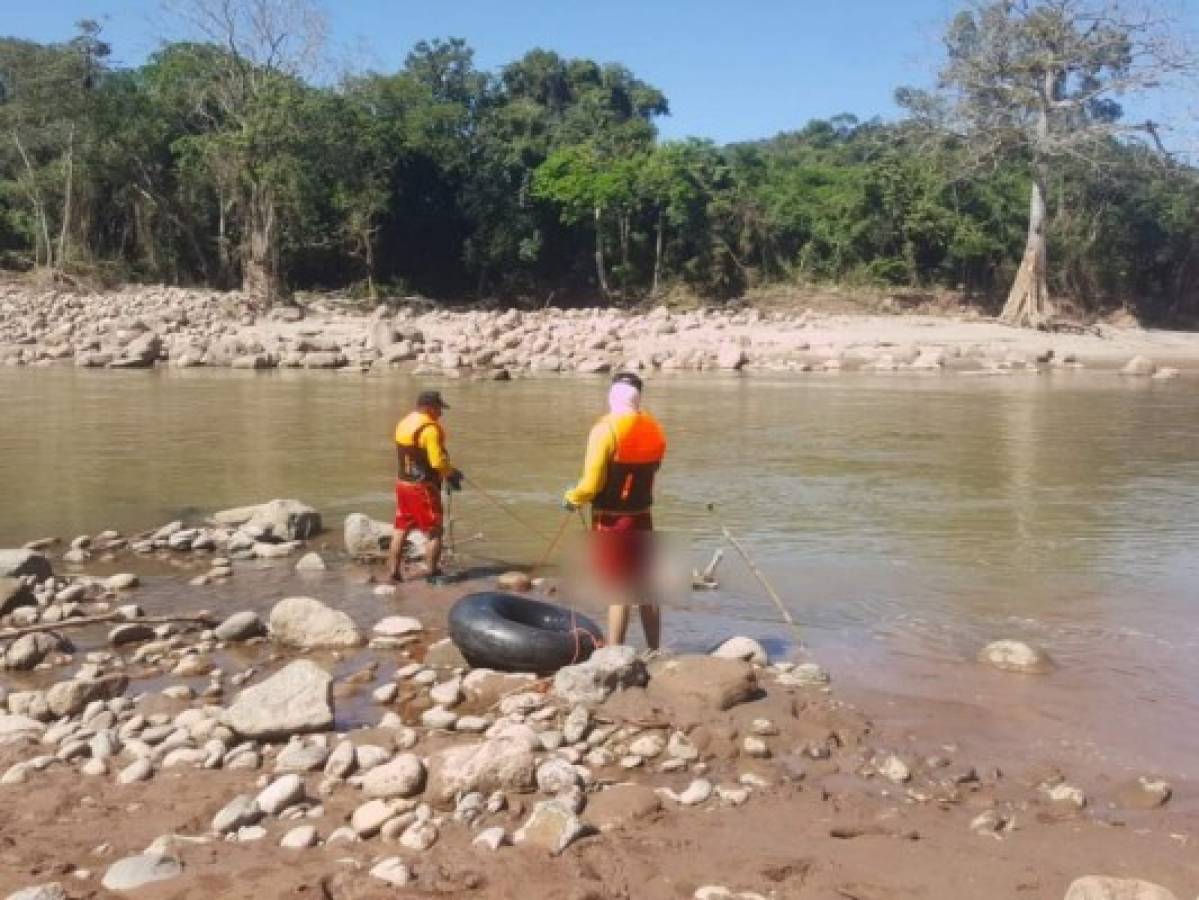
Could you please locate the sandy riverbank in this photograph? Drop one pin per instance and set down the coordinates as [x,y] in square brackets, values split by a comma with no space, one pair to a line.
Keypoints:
[141,327]
[744,774]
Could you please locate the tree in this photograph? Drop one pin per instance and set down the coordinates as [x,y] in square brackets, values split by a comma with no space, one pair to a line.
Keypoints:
[1038,80]
[247,87]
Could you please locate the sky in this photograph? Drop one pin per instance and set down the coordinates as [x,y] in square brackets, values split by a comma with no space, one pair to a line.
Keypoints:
[732,71]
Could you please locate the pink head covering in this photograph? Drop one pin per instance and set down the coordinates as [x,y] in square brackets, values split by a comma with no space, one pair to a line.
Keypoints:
[624,398]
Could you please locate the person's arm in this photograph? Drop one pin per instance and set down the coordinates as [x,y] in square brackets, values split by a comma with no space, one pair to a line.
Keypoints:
[601,446]
[439,457]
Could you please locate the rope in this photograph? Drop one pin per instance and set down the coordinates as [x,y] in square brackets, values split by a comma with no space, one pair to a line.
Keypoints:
[506,509]
[549,551]
[575,631]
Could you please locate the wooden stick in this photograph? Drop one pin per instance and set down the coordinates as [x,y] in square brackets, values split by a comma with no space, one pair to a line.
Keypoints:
[709,573]
[82,621]
[778,601]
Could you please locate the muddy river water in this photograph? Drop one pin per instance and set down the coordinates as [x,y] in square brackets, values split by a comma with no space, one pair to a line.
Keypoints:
[906,520]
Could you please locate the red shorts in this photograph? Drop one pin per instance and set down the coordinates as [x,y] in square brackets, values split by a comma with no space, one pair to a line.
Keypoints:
[622,546]
[418,506]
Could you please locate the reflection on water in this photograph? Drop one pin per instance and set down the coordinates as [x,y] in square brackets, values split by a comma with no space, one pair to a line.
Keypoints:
[922,515]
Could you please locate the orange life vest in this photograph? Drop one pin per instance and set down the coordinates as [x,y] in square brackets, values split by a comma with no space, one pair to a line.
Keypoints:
[640,448]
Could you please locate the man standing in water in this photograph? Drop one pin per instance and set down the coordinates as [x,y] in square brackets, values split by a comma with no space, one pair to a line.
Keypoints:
[624,452]
[424,465]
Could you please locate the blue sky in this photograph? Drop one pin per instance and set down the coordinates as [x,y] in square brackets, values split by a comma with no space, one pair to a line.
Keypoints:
[732,71]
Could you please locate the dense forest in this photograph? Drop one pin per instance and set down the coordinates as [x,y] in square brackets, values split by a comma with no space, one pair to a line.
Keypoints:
[209,165]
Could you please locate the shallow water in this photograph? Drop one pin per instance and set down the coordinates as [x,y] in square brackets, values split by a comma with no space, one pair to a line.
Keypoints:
[907,520]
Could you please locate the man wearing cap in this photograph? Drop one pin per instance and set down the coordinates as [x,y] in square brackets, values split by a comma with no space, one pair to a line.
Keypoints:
[424,465]
[624,451]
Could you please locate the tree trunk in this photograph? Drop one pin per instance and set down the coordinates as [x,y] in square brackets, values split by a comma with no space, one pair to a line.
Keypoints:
[260,272]
[39,209]
[66,201]
[1028,303]
[599,252]
[625,228]
[653,291]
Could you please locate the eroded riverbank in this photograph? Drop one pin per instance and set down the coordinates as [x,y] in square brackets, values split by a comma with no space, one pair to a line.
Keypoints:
[739,775]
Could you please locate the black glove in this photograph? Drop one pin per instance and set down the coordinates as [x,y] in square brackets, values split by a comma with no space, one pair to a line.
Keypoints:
[454,480]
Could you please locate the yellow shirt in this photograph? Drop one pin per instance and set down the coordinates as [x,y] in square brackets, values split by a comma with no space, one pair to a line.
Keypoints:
[601,450]
[431,440]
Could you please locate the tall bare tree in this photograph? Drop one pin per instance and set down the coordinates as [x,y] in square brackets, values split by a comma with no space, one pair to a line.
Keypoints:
[1045,81]
[266,48]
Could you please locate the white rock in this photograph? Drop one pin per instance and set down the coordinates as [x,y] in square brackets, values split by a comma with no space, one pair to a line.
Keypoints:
[491,838]
[743,648]
[404,776]
[300,837]
[1098,887]
[895,769]
[553,826]
[296,699]
[305,622]
[699,791]
[1015,656]
[311,562]
[241,810]
[555,776]
[392,871]
[398,626]
[134,872]
[138,770]
[419,836]
[280,794]
[51,891]
[368,818]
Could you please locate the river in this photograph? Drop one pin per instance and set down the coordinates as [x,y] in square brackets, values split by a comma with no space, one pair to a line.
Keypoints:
[906,520]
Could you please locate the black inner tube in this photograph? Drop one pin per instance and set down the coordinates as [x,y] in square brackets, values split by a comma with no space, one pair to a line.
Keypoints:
[511,633]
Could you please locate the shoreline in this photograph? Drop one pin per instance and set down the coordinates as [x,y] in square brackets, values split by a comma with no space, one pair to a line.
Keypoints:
[144,327]
[874,798]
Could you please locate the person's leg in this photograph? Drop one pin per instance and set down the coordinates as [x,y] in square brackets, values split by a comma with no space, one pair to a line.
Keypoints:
[618,623]
[433,551]
[395,553]
[651,624]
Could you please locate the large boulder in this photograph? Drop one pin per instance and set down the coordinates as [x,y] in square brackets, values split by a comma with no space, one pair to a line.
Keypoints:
[286,520]
[19,728]
[505,762]
[296,699]
[133,872]
[15,563]
[364,537]
[1099,887]
[68,698]
[305,622]
[608,669]
[696,686]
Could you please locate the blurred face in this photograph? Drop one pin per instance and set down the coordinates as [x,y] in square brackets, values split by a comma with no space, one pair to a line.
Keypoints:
[433,412]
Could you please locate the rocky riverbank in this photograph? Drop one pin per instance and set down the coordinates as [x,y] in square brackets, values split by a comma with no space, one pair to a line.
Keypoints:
[278,747]
[141,327]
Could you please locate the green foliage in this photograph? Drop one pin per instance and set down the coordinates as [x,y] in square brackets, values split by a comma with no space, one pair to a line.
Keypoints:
[463,183]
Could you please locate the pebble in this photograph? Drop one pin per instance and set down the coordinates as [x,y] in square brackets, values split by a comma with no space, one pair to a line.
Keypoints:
[281,793]
[681,748]
[138,770]
[368,818]
[240,811]
[250,833]
[391,870]
[895,769]
[696,793]
[440,718]
[577,724]
[755,747]
[300,837]
[419,836]
[491,838]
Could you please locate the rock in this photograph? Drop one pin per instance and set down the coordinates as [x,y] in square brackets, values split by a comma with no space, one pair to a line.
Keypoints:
[1099,887]
[300,838]
[392,871]
[364,537]
[138,770]
[295,700]
[404,776]
[15,593]
[517,582]
[130,634]
[311,562]
[305,622]
[241,810]
[419,836]
[622,804]
[608,669]
[1140,366]
[51,891]
[440,718]
[301,757]
[30,650]
[577,724]
[690,684]
[19,728]
[447,693]
[1015,656]
[241,626]
[699,791]
[285,520]
[68,698]
[342,761]
[805,675]
[647,746]
[1143,793]
[444,654]
[556,775]
[742,648]
[15,563]
[1067,795]
[263,550]
[368,818]
[502,763]
[280,794]
[895,769]
[122,582]
[134,872]
[398,626]
[730,357]
[491,838]
[553,827]
[1166,373]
